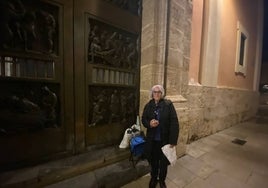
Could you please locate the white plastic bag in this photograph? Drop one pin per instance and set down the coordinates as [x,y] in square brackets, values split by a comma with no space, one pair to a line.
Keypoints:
[170,153]
[125,141]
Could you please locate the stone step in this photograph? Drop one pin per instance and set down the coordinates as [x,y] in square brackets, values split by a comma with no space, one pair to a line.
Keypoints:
[264,98]
[115,175]
[263,110]
[96,162]
[262,120]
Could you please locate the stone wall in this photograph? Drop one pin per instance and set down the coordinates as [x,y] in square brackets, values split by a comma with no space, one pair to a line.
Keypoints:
[213,109]
[165,55]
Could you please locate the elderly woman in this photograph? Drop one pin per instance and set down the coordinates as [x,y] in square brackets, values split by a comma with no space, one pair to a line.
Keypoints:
[160,119]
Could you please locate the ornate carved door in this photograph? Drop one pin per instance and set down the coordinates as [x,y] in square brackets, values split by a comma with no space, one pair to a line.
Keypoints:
[107,35]
[36,80]
[69,76]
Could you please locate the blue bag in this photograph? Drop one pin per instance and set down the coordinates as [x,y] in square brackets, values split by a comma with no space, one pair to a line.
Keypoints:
[137,145]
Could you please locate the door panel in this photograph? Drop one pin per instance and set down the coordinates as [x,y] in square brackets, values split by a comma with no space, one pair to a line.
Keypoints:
[107,70]
[69,76]
[33,124]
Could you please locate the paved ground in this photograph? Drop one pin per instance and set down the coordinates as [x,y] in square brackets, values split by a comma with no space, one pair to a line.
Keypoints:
[211,162]
[216,162]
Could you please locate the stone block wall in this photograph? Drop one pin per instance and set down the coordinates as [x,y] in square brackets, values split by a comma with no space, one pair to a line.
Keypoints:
[213,109]
[165,57]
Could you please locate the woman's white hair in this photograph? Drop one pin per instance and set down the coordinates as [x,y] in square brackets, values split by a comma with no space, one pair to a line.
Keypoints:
[160,87]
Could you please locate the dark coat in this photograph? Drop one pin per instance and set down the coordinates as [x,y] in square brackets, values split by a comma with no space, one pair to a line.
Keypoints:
[168,122]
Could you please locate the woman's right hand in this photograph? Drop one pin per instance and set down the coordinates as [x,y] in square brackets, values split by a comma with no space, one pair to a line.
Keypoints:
[154,123]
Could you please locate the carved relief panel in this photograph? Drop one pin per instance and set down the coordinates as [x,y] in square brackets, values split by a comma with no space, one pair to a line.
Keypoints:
[111,47]
[25,107]
[31,80]
[112,105]
[113,65]
[28,52]
[28,26]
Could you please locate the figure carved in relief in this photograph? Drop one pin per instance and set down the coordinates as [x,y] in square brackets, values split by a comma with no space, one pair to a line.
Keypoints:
[103,96]
[49,104]
[18,25]
[23,105]
[95,45]
[111,48]
[100,44]
[18,113]
[106,45]
[114,106]
[131,107]
[103,40]
[94,41]
[11,15]
[50,29]
[118,46]
[28,29]
[123,106]
[98,113]
[27,109]
[99,109]
[93,32]
[131,55]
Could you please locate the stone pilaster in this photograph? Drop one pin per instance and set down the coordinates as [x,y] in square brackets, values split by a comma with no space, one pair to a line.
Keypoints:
[153,46]
[165,53]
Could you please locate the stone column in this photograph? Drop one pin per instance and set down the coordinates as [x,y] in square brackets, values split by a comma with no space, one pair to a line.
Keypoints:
[177,65]
[178,54]
[153,46]
[165,53]
[258,59]
[211,43]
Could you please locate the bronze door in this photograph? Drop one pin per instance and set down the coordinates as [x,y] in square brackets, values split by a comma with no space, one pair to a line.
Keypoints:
[69,76]
[36,80]
[106,67]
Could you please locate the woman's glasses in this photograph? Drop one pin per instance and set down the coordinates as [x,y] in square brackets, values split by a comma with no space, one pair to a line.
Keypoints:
[157,92]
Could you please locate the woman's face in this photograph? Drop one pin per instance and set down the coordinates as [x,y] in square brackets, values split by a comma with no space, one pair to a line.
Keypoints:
[157,94]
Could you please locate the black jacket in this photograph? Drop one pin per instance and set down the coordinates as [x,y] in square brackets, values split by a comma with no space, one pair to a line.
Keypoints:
[168,122]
